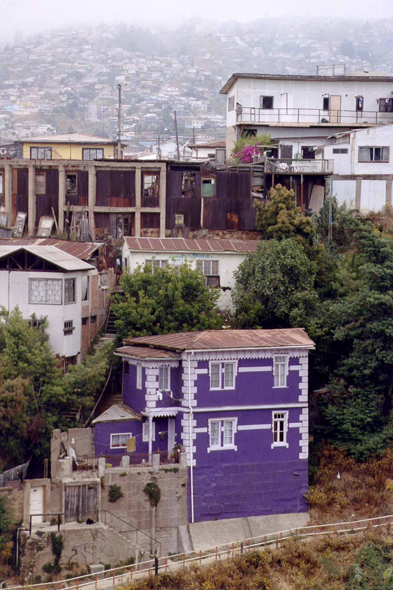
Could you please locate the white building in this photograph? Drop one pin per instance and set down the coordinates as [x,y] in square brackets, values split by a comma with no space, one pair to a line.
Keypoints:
[46,281]
[363,167]
[305,110]
[216,259]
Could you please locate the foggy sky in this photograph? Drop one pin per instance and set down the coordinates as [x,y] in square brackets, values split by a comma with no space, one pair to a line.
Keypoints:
[34,16]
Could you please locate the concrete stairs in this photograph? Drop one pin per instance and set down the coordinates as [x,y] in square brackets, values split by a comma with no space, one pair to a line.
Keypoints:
[103,340]
[110,325]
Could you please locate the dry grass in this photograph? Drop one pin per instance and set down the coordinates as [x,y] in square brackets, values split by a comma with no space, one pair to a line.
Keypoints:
[326,563]
[363,490]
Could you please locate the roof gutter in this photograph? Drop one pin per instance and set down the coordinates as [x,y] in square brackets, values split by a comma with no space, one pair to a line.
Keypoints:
[300,346]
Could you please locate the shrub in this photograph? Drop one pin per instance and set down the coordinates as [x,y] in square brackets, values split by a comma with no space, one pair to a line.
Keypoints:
[115,493]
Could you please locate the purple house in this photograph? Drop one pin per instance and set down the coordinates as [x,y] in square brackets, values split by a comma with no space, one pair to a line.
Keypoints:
[236,400]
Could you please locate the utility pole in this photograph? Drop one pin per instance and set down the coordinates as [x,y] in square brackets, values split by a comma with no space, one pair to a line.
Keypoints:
[177,139]
[193,135]
[119,125]
[159,147]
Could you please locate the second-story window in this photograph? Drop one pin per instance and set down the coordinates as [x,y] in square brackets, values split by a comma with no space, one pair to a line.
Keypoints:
[373,154]
[68,328]
[222,434]
[164,379]
[85,288]
[92,153]
[231,103]
[325,103]
[139,376]
[222,375]
[69,291]
[359,104]
[40,153]
[386,105]
[46,291]
[266,102]
[280,371]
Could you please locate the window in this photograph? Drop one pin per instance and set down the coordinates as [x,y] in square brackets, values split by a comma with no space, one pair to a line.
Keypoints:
[145,431]
[308,152]
[40,183]
[47,291]
[35,323]
[359,103]
[68,328]
[104,279]
[93,319]
[340,150]
[188,183]
[208,187]
[1,183]
[280,371]
[92,154]
[164,379]
[231,103]
[266,102]
[126,367]
[386,105]
[40,153]
[85,321]
[72,184]
[157,263]
[139,376]
[222,375]
[150,184]
[222,434]
[119,441]
[325,103]
[85,288]
[69,291]
[373,154]
[207,267]
[280,428]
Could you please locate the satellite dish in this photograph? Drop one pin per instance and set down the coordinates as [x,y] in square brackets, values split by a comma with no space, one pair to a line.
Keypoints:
[3,151]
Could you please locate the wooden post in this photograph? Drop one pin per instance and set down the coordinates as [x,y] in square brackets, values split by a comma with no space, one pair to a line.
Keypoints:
[96,581]
[149,568]
[131,571]
[200,556]
[113,578]
[265,542]
[184,560]
[281,540]
[216,553]
[166,564]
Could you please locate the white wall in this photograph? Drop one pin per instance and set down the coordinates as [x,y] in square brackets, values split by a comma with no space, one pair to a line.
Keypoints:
[14,291]
[373,196]
[228,263]
[345,192]
[308,94]
[375,137]
[342,162]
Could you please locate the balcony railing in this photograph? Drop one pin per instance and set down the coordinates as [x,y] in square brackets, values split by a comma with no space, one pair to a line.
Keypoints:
[290,166]
[312,116]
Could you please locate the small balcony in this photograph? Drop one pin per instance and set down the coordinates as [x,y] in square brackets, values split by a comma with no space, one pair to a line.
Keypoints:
[291,166]
[305,116]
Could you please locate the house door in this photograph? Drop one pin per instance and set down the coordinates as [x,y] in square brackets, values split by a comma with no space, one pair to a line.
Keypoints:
[81,503]
[37,503]
[171,434]
[335,109]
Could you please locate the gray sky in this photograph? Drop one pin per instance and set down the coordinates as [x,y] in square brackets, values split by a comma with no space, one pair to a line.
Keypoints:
[31,16]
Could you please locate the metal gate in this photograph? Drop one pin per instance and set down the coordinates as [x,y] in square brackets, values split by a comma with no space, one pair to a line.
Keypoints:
[81,502]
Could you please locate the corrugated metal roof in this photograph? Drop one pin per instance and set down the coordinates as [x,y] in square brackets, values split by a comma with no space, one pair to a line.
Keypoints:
[69,138]
[81,250]
[146,352]
[190,245]
[224,339]
[117,413]
[51,254]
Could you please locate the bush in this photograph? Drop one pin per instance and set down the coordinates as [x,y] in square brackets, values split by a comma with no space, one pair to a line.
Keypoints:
[114,493]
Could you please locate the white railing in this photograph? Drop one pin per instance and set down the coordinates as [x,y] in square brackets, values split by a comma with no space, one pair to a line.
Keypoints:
[125,574]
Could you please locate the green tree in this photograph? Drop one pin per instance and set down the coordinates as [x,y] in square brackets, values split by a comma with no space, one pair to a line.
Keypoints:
[275,286]
[165,300]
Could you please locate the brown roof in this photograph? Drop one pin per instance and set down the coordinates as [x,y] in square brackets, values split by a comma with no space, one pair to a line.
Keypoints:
[146,352]
[225,339]
[190,245]
[81,250]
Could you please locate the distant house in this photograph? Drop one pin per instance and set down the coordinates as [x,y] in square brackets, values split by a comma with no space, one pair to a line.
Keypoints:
[68,282]
[215,259]
[212,150]
[70,146]
[236,400]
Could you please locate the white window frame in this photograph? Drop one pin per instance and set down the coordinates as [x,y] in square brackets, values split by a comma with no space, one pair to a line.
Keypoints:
[222,365]
[71,281]
[46,302]
[139,376]
[157,262]
[221,426]
[277,385]
[145,431]
[160,379]
[127,434]
[276,419]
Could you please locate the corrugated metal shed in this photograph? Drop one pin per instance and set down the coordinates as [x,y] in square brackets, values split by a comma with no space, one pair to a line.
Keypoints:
[224,339]
[81,250]
[117,413]
[51,254]
[190,245]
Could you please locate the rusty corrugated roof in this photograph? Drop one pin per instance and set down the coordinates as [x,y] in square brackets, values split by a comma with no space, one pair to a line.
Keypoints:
[225,339]
[81,250]
[190,245]
[146,352]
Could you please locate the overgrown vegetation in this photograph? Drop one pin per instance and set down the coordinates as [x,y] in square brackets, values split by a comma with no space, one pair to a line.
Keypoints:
[114,493]
[35,395]
[248,146]
[357,562]
[165,300]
